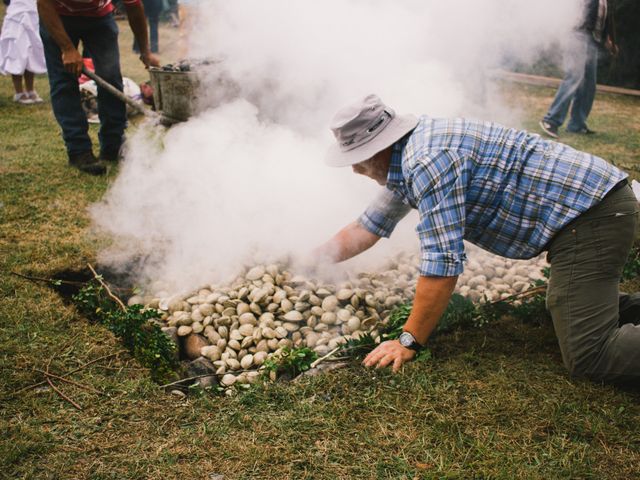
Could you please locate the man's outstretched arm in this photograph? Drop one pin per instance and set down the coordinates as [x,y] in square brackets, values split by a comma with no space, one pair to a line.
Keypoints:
[347,243]
[431,300]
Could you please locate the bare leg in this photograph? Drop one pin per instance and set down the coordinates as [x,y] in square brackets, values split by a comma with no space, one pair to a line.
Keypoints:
[30,91]
[28,80]
[17,83]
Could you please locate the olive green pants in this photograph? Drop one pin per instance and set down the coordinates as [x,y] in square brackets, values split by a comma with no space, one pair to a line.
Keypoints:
[587,257]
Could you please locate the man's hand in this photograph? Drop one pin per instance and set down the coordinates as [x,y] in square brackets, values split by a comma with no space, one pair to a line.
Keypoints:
[389,353]
[50,20]
[72,61]
[138,24]
[150,60]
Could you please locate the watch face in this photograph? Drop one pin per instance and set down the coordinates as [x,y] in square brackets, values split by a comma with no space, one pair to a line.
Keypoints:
[406,339]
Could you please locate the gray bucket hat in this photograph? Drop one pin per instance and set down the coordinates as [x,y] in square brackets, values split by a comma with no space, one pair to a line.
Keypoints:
[364,129]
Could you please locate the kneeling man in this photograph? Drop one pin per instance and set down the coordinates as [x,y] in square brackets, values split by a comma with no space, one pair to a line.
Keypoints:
[511,193]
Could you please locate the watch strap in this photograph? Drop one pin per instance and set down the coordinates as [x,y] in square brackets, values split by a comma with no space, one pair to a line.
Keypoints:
[414,345]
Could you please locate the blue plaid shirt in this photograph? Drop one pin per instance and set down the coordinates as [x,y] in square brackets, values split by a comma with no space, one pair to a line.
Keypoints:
[505,190]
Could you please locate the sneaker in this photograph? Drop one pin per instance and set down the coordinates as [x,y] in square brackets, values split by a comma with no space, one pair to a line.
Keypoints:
[549,129]
[86,162]
[33,96]
[23,98]
[583,131]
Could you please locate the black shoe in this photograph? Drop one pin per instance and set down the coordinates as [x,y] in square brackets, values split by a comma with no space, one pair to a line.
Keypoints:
[109,156]
[629,308]
[548,128]
[86,162]
[582,131]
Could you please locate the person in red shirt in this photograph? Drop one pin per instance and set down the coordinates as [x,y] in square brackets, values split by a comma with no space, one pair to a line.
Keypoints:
[63,24]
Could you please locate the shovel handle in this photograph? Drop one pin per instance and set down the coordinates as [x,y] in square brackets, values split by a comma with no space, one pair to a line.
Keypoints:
[115,92]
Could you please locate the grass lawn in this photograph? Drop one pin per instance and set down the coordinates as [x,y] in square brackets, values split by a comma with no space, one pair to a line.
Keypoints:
[492,403]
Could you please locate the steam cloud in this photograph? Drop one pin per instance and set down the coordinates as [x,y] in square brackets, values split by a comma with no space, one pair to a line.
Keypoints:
[247,178]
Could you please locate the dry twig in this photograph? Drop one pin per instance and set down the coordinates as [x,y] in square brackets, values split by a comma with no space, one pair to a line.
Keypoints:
[106,287]
[519,296]
[47,280]
[47,374]
[95,360]
[187,379]
[59,392]
[322,359]
[64,375]
[71,382]
[61,349]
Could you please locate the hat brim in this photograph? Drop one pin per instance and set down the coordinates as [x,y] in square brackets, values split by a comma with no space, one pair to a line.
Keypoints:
[397,128]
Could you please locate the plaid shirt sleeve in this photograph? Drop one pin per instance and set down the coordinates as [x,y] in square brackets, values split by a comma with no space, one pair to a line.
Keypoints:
[384,213]
[438,185]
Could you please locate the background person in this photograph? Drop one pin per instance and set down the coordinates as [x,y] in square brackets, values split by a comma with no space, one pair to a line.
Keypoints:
[64,23]
[171,12]
[578,88]
[21,53]
[152,11]
[511,193]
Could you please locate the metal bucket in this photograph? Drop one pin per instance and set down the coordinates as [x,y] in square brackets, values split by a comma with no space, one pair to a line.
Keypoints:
[179,95]
[175,94]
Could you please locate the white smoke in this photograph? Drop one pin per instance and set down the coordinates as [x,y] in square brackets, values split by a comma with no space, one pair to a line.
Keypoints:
[419,55]
[248,176]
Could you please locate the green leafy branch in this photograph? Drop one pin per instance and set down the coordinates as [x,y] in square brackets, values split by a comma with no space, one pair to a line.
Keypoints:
[290,362]
[133,325]
[632,266]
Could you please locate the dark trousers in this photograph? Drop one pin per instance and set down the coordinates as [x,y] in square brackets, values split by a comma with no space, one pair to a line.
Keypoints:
[153,20]
[153,32]
[100,36]
[597,327]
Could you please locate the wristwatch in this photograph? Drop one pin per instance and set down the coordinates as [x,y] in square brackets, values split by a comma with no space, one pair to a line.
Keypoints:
[408,341]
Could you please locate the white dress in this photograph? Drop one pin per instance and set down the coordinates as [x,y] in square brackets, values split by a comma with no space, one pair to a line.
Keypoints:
[20,43]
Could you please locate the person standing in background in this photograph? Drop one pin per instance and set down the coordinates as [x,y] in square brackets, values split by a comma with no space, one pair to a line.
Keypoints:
[21,53]
[152,10]
[64,23]
[172,13]
[578,88]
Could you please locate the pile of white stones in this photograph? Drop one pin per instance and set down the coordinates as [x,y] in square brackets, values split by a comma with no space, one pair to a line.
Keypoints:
[238,326]
[488,277]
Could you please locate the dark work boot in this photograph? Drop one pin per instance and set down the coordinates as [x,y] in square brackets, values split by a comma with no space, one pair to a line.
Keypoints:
[629,308]
[86,162]
[108,156]
[109,153]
